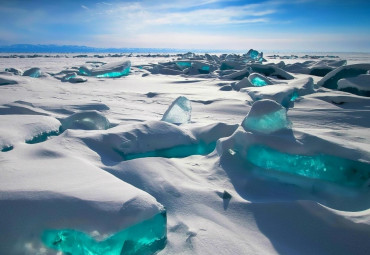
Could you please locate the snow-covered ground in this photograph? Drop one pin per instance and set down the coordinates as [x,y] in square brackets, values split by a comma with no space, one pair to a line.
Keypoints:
[301,187]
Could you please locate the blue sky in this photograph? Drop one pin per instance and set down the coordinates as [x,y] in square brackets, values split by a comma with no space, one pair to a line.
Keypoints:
[286,25]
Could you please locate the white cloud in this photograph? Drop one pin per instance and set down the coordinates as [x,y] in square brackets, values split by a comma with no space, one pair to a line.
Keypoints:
[208,41]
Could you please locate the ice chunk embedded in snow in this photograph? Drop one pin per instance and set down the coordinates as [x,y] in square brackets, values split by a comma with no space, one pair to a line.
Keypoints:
[266,116]
[33,72]
[111,70]
[258,80]
[146,237]
[14,71]
[179,111]
[323,167]
[88,120]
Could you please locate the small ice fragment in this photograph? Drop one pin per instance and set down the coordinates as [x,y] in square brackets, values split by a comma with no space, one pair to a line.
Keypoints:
[179,111]
[266,116]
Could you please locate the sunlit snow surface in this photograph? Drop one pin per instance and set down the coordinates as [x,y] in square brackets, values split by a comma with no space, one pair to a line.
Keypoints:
[89,164]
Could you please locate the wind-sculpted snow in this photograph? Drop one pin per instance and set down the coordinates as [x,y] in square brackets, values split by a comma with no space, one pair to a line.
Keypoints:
[284,94]
[331,79]
[179,112]
[317,68]
[266,116]
[111,70]
[359,85]
[6,80]
[26,129]
[157,139]
[271,70]
[143,238]
[87,120]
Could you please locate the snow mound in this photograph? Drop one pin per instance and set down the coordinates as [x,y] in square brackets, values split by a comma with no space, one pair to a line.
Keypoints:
[266,116]
[154,139]
[359,85]
[318,68]
[284,94]
[331,79]
[111,70]
[4,80]
[271,70]
[238,75]
[87,120]
[27,128]
[179,112]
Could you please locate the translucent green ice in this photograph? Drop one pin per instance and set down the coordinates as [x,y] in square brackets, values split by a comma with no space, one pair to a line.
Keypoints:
[7,148]
[324,167]
[204,70]
[180,151]
[295,95]
[183,65]
[144,238]
[258,82]
[33,72]
[252,54]
[42,137]
[125,72]
[179,112]
[267,123]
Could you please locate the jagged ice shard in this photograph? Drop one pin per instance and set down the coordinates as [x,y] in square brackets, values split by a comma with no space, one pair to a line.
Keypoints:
[144,238]
[266,116]
[179,111]
[324,167]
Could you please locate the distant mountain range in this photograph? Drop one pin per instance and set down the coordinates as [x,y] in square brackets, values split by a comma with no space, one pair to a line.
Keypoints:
[51,48]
